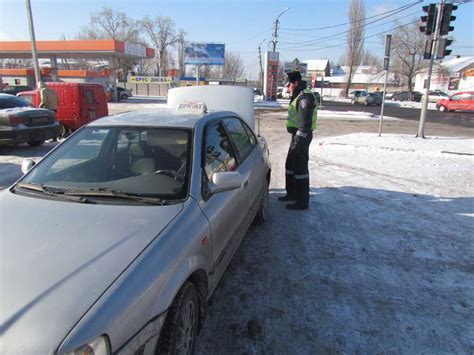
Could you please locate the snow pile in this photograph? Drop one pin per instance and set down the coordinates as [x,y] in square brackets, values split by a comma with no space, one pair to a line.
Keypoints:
[438,165]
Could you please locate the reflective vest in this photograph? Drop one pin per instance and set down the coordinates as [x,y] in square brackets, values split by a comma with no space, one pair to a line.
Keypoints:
[293,119]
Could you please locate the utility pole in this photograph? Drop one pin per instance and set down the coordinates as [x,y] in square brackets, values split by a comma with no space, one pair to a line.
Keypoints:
[386,64]
[275,33]
[33,42]
[261,67]
[424,108]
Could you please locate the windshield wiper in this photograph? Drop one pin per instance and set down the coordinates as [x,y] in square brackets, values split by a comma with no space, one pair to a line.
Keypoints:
[51,191]
[107,192]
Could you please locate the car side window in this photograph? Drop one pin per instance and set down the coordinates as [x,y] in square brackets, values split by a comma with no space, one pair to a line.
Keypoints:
[219,156]
[89,97]
[242,141]
[456,97]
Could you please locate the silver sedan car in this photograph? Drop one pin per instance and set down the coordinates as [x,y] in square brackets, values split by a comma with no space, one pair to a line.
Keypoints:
[114,242]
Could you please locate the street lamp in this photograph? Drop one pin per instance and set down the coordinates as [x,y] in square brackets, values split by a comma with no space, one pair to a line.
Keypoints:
[275,34]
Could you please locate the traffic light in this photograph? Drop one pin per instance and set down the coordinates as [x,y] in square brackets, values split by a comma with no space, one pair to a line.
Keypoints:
[445,27]
[429,20]
[442,51]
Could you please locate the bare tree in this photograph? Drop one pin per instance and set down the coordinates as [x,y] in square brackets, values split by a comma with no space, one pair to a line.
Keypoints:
[355,39]
[408,46]
[371,60]
[162,34]
[233,67]
[113,24]
[181,48]
[110,24]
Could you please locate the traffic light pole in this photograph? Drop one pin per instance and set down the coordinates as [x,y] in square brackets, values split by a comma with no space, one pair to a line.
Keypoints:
[424,108]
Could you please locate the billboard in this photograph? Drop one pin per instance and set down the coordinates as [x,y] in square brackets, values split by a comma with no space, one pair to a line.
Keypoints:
[204,53]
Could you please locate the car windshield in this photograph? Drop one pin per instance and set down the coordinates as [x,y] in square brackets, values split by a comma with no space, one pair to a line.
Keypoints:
[12,102]
[138,161]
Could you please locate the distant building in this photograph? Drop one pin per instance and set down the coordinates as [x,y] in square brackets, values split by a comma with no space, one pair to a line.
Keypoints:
[450,76]
[369,78]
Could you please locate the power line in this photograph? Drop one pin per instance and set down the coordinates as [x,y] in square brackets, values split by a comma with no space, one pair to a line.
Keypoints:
[350,30]
[399,9]
[338,45]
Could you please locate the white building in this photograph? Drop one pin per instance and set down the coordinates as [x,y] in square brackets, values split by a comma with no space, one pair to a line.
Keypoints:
[451,76]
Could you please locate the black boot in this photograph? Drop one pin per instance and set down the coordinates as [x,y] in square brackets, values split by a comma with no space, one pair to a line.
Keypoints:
[286,198]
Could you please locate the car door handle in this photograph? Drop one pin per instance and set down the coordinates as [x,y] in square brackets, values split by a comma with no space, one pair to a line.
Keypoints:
[246,184]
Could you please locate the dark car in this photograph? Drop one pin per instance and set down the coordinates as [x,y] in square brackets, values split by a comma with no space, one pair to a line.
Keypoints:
[13,90]
[319,99]
[22,123]
[407,96]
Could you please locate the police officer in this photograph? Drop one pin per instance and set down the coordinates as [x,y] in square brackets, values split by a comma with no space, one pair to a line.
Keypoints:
[302,114]
[48,99]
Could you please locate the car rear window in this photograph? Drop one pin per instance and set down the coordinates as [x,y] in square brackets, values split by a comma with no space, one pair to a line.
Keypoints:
[12,102]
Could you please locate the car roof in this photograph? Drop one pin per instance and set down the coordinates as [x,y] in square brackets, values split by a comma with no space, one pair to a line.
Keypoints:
[5,95]
[159,118]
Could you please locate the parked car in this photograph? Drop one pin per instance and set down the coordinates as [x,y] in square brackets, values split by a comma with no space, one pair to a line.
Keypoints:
[356,93]
[132,221]
[22,123]
[460,101]
[279,92]
[389,95]
[123,93]
[407,96]
[79,103]
[319,98]
[257,92]
[13,90]
[435,96]
[368,99]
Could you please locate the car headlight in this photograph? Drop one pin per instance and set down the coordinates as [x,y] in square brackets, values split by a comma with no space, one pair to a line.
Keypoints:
[99,346]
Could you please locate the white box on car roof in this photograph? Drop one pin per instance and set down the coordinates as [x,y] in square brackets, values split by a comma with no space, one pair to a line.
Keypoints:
[237,99]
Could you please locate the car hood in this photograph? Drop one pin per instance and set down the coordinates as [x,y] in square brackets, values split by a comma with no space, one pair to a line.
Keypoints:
[57,258]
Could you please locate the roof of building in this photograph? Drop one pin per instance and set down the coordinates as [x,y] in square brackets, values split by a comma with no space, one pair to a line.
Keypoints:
[317,64]
[458,64]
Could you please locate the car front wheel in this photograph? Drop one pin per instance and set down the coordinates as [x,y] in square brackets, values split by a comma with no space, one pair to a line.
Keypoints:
[179,332]
[366,103]
[353,101]
[442,108]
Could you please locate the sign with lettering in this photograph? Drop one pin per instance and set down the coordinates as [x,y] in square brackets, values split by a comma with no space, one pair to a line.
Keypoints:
[150,79]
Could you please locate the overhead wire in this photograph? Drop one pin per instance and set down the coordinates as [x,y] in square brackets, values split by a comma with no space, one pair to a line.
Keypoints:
[401,8]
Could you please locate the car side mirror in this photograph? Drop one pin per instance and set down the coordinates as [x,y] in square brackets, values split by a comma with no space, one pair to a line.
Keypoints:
[26,165]
[225,181]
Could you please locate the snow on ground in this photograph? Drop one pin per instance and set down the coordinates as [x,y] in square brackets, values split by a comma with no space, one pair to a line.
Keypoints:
[338,115]
[408,104]
[382,262]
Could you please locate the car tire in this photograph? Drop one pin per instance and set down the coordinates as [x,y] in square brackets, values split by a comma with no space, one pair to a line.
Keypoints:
[181,325]
[35,143]
[353,101]
[442,108]
[366,103]
[262,214]
[124,97]
[64,131]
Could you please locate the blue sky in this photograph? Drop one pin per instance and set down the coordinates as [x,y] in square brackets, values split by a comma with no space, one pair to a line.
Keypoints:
[241,24]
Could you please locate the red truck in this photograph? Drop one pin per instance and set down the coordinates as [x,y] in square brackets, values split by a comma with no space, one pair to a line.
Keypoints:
[79,103]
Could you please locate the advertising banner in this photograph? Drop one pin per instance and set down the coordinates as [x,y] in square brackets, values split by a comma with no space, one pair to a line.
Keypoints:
[197,53]
[149,79]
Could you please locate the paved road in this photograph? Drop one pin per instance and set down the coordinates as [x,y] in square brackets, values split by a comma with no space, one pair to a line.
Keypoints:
[464,119]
